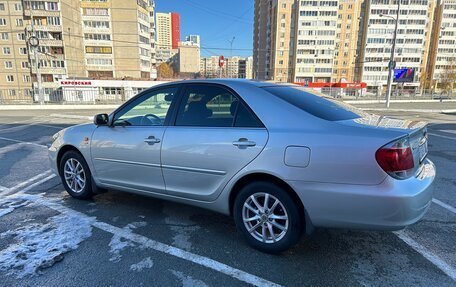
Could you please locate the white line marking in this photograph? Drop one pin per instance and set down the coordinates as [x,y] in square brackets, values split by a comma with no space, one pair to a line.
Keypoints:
[24,142]
[445,137]
[144,241]
[24,183]
[66,116]
[437,261]
[448,131]
[444,205]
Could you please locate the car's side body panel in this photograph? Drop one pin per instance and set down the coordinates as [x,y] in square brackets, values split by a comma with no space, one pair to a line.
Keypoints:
[198,162]
[122,158]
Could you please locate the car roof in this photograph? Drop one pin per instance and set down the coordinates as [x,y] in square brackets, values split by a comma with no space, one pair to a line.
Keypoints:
[230,82]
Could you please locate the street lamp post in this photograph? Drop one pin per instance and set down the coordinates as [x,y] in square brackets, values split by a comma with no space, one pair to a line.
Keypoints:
[392,64]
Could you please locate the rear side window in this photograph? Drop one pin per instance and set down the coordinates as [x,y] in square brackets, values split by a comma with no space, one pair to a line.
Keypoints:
[319,106]
[213,106]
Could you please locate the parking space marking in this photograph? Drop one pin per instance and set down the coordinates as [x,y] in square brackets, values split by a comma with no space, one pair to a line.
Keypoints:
[444,205]
[441,136]
[25,183]
[145,241]
[23,142]
[437,261]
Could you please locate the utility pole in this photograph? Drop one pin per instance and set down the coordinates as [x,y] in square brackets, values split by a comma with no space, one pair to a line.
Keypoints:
[392,64]
[34,43]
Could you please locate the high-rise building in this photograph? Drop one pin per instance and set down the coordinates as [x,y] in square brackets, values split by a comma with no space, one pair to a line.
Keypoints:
[245,68]
[175,30]
[413,27]
[262,39]
[168,35]
[76,38]
[348,40]
[442,56]
[209,67]
[163,31]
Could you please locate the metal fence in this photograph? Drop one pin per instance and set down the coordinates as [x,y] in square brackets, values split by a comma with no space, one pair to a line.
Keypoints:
[91,96]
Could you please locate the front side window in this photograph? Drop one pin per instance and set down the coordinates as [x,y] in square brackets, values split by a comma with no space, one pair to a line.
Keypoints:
[213,106]
[150,109]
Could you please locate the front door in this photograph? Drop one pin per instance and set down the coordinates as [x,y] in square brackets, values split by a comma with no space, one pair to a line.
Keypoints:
[214,136]
[127,154]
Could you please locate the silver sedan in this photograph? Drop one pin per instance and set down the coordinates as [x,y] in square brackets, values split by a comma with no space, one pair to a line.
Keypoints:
[280,159]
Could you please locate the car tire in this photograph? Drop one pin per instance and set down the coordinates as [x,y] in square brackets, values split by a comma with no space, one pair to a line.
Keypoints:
[75,175]
[269,218]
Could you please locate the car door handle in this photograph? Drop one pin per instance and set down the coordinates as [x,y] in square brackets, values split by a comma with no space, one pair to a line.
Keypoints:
[243,142]
[151,140]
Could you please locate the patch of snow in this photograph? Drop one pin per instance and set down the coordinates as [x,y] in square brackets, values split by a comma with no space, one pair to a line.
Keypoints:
[39,246]
[114,219]
[92,204]
[188,281]
[93,210]
[178,220]
[145,263]
[5,211]
[118,243]
[9,206]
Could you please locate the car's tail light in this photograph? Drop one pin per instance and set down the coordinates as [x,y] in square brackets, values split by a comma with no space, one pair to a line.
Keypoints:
[396,158]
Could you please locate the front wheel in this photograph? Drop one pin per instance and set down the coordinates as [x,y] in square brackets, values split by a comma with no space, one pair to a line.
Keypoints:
[268,217]
[76,176]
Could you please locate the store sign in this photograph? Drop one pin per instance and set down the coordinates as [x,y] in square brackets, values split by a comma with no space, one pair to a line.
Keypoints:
[75,83]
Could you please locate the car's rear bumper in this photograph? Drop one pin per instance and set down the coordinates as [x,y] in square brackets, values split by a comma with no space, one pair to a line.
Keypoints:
[392,205]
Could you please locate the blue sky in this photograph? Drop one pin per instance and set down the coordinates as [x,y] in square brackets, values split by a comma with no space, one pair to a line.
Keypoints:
[217,21]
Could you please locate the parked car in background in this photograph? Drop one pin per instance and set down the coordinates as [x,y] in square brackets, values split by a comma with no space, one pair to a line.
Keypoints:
[280,159]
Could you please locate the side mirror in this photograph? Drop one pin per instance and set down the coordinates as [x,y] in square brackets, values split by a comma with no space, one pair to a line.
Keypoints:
[101,119]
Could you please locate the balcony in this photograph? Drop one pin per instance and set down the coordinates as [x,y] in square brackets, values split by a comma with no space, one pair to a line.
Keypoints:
[50,70]
[51,42]
[41,13]
[47,28]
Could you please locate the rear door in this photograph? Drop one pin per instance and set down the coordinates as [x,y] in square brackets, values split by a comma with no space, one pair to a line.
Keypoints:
[214,136]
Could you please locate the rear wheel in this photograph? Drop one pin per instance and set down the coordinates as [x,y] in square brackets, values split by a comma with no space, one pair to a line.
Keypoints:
[75,175]
[267,216]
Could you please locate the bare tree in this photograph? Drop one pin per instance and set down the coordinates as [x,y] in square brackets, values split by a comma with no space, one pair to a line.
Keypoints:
[448,78]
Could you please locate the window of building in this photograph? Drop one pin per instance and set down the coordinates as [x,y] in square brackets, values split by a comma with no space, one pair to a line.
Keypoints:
[26,78]
[98,50]
[2,22]
[21,36]
[9,78]
[8,65]
[97,37]
[4,36]
[19,22]
[2,7]
[6,50]
[18,6]
[25,65]
[12,93]
[23,51]
[95,12]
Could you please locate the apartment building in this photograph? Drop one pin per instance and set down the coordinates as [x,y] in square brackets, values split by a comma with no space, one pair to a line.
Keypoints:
[414,26]
[283,24]
[306,41]
[209,67]
[15,78]
[348,41]
[235,67]
[442,57]
[168,35]
[246,68]
[77,38]
[262,31]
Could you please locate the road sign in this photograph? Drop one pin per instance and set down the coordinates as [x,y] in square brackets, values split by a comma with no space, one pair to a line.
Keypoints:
[221,61]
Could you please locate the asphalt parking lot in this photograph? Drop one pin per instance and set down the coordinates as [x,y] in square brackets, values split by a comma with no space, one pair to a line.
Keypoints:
[120,239]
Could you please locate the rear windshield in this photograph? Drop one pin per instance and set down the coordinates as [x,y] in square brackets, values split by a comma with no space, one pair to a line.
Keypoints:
[318,105]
